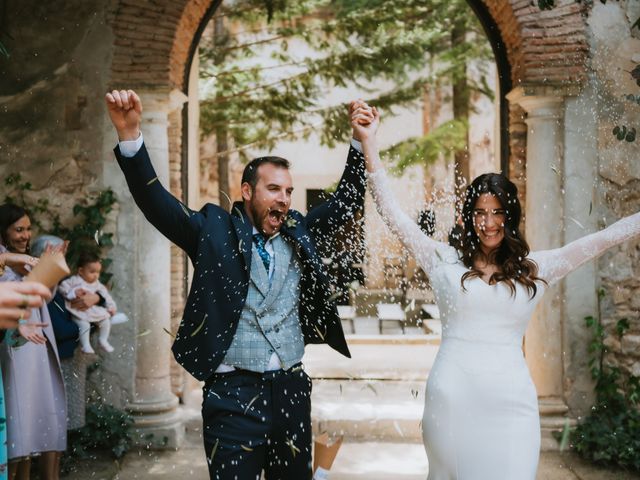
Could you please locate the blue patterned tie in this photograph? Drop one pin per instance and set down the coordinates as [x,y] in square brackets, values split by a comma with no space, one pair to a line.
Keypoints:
[260,242]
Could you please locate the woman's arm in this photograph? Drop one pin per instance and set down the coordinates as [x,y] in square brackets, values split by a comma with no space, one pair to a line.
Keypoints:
[424,249]
[555,264]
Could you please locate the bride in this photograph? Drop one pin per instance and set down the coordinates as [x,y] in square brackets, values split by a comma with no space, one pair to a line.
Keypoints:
[481,419]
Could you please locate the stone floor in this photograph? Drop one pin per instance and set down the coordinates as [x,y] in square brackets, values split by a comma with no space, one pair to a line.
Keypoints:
[374,399]
[356,461]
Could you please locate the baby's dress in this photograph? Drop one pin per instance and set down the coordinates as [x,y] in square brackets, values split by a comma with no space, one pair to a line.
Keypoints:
[93,314]
[481,419]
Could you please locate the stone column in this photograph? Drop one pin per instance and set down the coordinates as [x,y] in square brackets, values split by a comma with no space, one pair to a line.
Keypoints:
[544,230]
[153,404]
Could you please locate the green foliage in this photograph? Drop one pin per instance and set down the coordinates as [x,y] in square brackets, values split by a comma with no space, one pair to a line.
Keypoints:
[106,428]
[3,51]
[442,140]
[624,133]
[86,234]
[260,91]
[610,435]
[546,4]
[15,184]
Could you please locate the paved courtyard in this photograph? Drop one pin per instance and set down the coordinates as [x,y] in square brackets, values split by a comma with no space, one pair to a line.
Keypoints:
[375,400]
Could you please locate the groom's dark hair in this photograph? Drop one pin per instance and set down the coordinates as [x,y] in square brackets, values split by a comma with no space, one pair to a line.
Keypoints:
[250,173]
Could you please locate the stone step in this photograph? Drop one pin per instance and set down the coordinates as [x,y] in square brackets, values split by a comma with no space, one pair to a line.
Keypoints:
[380,461]
[376,410]
[382,357]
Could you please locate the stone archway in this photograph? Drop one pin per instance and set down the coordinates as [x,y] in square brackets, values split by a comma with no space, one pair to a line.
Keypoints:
[546,54]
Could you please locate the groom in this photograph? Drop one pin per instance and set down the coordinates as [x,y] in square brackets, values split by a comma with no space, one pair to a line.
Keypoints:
[258,296]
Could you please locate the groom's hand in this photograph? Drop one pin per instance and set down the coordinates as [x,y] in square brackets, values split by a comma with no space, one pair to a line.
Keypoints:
[365,122]
[362,114]
[125,111]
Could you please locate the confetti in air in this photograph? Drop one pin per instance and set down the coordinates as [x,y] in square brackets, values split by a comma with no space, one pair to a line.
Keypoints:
[195,332]
[168,332]
[251,403]
[185,210]
[213,450]
[294,450]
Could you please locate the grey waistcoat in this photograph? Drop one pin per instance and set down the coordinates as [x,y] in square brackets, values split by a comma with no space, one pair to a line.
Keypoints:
[269,320]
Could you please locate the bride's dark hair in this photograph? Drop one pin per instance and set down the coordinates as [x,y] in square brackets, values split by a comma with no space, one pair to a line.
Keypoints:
[511,255]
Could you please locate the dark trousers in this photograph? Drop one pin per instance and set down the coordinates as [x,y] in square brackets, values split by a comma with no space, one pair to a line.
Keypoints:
[258,421]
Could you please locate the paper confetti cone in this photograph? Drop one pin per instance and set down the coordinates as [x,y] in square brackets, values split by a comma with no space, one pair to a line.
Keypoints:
[324,452]
[51,268]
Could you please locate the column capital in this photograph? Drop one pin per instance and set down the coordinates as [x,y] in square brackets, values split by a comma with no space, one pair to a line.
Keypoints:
[539,101]
[161,100]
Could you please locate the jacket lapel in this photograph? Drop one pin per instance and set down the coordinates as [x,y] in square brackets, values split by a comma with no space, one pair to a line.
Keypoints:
[243,229]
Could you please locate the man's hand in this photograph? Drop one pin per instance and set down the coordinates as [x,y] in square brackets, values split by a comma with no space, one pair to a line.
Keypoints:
[125,110]
[365,122]
[84,300]
[364,114]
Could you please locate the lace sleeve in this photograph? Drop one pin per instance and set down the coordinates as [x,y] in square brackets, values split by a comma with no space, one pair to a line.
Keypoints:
[426,251]
[555,264]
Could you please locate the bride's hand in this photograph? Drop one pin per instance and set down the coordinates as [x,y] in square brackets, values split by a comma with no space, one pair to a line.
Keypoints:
[364,121]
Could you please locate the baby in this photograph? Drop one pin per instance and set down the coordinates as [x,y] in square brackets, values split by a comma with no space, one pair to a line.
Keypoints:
[86,279]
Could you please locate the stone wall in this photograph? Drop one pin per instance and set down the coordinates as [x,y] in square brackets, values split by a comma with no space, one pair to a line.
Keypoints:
[616,51]
[54,132]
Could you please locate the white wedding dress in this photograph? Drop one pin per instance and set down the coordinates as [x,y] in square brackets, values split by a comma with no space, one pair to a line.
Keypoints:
[481,419]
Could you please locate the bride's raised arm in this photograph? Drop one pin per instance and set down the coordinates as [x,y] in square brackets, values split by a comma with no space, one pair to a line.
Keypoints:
[556,263]
[426,251]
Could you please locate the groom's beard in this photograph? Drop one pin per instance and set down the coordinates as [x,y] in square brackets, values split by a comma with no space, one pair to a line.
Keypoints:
[263,218]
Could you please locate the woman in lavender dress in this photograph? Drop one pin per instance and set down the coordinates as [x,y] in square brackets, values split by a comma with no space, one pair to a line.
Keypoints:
[16,300]
[33,387]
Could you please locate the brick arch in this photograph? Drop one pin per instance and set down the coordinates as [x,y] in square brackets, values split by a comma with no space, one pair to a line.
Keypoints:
[154,41]
[543,47]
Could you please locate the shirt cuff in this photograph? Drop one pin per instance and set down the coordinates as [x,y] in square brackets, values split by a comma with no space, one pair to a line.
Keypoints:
[356,144]
[129,148]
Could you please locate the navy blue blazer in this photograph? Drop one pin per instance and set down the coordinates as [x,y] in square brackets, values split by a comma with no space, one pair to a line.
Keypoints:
[219,246]
[64,328]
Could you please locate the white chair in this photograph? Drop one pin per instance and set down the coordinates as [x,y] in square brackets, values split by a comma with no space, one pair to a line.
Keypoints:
[433,323]
[347,313]
[390,312]
[431,309]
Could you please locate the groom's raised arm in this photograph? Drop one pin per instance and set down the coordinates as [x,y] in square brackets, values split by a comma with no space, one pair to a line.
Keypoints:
[348,198]
[170,216]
